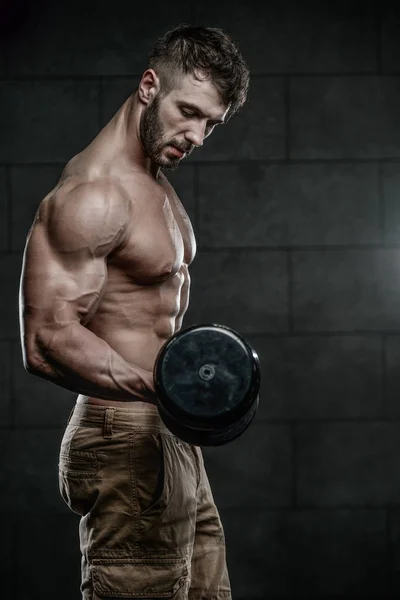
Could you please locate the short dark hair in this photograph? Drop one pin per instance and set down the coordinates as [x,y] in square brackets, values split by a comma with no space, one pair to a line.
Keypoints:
[200,50]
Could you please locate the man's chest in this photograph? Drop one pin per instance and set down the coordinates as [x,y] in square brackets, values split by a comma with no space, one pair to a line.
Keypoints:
[159,241]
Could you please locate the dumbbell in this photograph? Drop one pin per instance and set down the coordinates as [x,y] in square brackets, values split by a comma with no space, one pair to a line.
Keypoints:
[207,380]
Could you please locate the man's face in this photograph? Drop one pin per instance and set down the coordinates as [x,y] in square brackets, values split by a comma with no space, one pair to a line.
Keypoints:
[172,126]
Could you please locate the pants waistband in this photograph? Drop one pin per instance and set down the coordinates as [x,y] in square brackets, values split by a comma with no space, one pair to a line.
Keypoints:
[91,415]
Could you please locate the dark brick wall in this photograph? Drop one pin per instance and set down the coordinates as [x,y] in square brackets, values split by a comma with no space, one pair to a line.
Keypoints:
[296,208]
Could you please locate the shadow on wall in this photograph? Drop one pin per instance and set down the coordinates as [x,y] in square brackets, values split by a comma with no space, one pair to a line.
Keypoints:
[15,15]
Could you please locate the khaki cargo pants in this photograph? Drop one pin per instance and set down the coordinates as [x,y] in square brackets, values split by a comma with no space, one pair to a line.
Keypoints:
[149,527]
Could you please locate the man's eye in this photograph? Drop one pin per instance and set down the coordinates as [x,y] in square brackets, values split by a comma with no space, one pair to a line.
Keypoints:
[187,113]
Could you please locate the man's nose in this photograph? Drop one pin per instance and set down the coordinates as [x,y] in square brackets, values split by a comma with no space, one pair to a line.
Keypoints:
[195,135]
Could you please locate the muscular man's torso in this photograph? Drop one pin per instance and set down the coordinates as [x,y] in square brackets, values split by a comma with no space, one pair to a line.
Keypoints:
[147,289]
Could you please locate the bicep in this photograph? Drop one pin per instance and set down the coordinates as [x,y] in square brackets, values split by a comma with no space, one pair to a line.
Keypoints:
[53,296]
[64,269]
[58,288]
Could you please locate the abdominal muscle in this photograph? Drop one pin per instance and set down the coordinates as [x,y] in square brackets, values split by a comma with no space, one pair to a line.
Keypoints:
[136,324]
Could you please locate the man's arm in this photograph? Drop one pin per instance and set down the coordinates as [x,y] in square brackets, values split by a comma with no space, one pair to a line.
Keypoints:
[63,276]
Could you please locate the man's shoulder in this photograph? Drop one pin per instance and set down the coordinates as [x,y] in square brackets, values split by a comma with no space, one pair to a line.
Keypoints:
[79,191]
[94,209]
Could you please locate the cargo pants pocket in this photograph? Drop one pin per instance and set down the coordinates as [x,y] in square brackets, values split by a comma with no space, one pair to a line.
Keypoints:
[144,579]
[149,475]
[80,474]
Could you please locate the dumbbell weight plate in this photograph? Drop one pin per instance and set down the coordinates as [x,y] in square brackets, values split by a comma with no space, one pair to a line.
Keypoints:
[207,380]
[212,436]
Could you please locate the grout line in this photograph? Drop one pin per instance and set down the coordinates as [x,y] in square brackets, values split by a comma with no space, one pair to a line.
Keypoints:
[310,248]
[259,424]
[325,420]
[38,77]
[315,508]
[282,334]
[243,161]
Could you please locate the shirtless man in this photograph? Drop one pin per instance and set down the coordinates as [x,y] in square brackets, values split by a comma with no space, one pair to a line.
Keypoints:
[105,283]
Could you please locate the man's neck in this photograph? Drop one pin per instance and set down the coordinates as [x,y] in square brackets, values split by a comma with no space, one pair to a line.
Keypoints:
[117,148]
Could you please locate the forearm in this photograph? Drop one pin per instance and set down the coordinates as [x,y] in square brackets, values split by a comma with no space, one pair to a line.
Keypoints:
[76,359]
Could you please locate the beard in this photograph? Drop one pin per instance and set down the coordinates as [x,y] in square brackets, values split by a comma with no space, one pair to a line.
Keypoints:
[152,136]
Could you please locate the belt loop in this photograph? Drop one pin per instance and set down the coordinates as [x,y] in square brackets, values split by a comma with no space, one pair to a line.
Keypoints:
[108,423]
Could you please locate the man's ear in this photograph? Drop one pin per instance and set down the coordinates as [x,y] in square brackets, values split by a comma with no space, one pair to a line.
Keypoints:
[149,86]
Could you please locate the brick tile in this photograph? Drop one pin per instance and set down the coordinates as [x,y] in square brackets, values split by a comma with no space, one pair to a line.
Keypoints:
[344,117]
[292,37]
[257,131]
[339,553]
[29,474]
[348,464]
[100,42]
[47,120]
[319,377]
[38,402]
[235,470]
[29,184]
[300,205]
[55,539]
[244,290]
[346,290]
[258,553]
